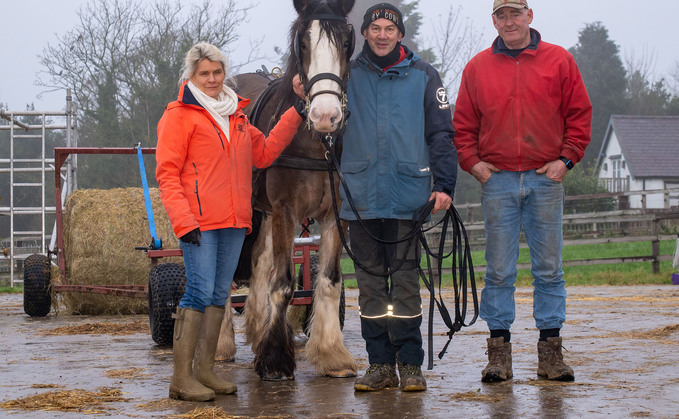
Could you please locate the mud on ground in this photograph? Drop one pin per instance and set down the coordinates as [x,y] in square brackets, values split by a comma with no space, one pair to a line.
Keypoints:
[623,343]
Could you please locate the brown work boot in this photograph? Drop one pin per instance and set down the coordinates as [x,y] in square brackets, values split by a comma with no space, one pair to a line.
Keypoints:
[411,377]
[550,361]
[499,366]
[377,377]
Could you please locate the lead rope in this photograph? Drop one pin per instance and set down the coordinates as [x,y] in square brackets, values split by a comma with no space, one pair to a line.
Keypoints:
[461,251]
[328,141]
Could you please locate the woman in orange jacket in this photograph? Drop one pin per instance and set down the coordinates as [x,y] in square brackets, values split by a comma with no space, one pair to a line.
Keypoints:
[205,154]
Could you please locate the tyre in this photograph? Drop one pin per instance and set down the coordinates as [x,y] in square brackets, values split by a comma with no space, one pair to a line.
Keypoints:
[37,286]
[309,309]
[167,283]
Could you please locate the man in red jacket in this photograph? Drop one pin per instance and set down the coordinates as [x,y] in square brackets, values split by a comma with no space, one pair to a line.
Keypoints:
[522,120]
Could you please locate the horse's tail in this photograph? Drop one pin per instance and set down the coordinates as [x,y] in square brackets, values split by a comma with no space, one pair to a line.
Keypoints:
[244,269]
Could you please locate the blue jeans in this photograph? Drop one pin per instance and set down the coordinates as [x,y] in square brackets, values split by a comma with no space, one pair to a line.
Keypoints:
[515,201]
[210,267]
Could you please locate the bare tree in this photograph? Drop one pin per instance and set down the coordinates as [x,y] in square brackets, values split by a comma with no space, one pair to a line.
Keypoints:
[644,95]
[674,79]
[101,41]
[640,71]
[454,43]
[122,61]
[134,45]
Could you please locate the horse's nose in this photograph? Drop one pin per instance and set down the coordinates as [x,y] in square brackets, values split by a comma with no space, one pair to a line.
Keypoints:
[322,122]
[336,116]
[325,116]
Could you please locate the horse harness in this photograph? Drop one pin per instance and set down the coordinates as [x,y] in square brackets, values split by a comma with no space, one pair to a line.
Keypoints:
[298,48]
[306,163]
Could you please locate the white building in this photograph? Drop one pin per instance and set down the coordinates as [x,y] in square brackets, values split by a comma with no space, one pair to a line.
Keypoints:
[641,153]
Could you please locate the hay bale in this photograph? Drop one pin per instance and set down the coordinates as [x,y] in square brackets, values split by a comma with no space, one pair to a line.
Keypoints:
[101,230]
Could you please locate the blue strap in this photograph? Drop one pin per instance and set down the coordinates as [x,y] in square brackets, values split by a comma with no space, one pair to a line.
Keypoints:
[156,243]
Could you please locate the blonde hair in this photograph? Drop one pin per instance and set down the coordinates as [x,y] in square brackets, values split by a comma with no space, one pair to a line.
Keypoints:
[201,51]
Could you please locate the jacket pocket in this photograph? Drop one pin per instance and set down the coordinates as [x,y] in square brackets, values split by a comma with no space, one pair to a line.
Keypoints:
[356,175]
[200,209]
[412,186]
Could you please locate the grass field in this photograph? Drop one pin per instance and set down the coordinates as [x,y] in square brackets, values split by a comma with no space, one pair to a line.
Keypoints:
[10,290]
[615,274]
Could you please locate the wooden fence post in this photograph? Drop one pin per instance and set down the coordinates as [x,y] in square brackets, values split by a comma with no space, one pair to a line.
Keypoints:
[655,246]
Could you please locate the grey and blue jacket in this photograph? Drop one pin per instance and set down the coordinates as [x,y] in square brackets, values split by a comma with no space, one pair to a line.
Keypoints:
[398,139]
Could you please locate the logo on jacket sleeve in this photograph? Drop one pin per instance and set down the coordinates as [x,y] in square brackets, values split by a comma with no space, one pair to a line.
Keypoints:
[442,97]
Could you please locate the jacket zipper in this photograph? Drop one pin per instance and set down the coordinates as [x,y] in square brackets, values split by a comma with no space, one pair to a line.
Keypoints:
[518,108]
[220,136]
[200,209]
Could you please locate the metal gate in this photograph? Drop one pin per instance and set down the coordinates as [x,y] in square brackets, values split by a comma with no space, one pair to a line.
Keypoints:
[29,165]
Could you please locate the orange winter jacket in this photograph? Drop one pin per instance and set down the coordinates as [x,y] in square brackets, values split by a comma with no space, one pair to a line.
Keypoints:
[205,180]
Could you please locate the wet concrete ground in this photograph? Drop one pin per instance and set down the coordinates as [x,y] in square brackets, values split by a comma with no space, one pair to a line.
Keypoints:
[623,343]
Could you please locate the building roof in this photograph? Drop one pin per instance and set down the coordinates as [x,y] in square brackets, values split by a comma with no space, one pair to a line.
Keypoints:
[650,144]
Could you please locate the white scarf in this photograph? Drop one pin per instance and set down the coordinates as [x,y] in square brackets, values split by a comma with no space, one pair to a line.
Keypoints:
[220,108]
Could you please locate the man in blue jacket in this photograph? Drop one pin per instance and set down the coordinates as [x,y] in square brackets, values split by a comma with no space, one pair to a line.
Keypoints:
[399,138]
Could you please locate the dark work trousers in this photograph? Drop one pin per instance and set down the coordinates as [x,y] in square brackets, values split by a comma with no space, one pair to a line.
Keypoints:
[390,307]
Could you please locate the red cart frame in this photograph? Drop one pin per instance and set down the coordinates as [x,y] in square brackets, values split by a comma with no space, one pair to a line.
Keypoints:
[302,255]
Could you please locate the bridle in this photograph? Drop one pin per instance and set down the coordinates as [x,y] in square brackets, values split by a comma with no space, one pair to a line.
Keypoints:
[298,49]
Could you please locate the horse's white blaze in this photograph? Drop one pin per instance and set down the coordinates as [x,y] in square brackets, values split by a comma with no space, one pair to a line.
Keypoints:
[325,111]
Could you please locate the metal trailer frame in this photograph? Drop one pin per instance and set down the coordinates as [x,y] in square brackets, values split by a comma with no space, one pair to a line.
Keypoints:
[303,246]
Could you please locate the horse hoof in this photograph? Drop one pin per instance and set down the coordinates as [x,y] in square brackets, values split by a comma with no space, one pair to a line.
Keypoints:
[341,373]
[279,377]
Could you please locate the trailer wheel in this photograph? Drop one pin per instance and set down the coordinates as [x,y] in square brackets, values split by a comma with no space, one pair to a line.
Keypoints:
[309,309]
[167,282]
[37,286]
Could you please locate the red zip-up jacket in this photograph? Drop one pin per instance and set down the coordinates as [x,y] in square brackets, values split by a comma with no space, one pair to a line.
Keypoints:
[520,113]
[205,180]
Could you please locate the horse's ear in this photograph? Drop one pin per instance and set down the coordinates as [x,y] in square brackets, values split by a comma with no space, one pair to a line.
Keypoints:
[347,5]
[341,7]
[300,6]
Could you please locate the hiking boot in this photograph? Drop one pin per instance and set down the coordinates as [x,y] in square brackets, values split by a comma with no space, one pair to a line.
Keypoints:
[550,361]
[411,377]
[499,366]
[377,377]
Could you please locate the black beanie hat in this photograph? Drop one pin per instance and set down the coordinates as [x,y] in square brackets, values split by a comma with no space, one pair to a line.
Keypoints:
[383,11]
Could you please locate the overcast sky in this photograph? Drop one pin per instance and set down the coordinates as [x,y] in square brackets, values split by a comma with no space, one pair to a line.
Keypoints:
[639,28]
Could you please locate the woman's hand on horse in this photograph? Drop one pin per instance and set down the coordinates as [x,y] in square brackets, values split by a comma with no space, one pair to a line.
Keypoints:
[443,201]
[298,87]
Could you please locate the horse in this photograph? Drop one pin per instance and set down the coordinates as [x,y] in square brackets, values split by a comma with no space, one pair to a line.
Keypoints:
[291,191]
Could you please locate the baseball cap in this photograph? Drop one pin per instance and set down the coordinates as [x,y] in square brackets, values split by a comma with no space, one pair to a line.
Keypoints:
[516,4]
